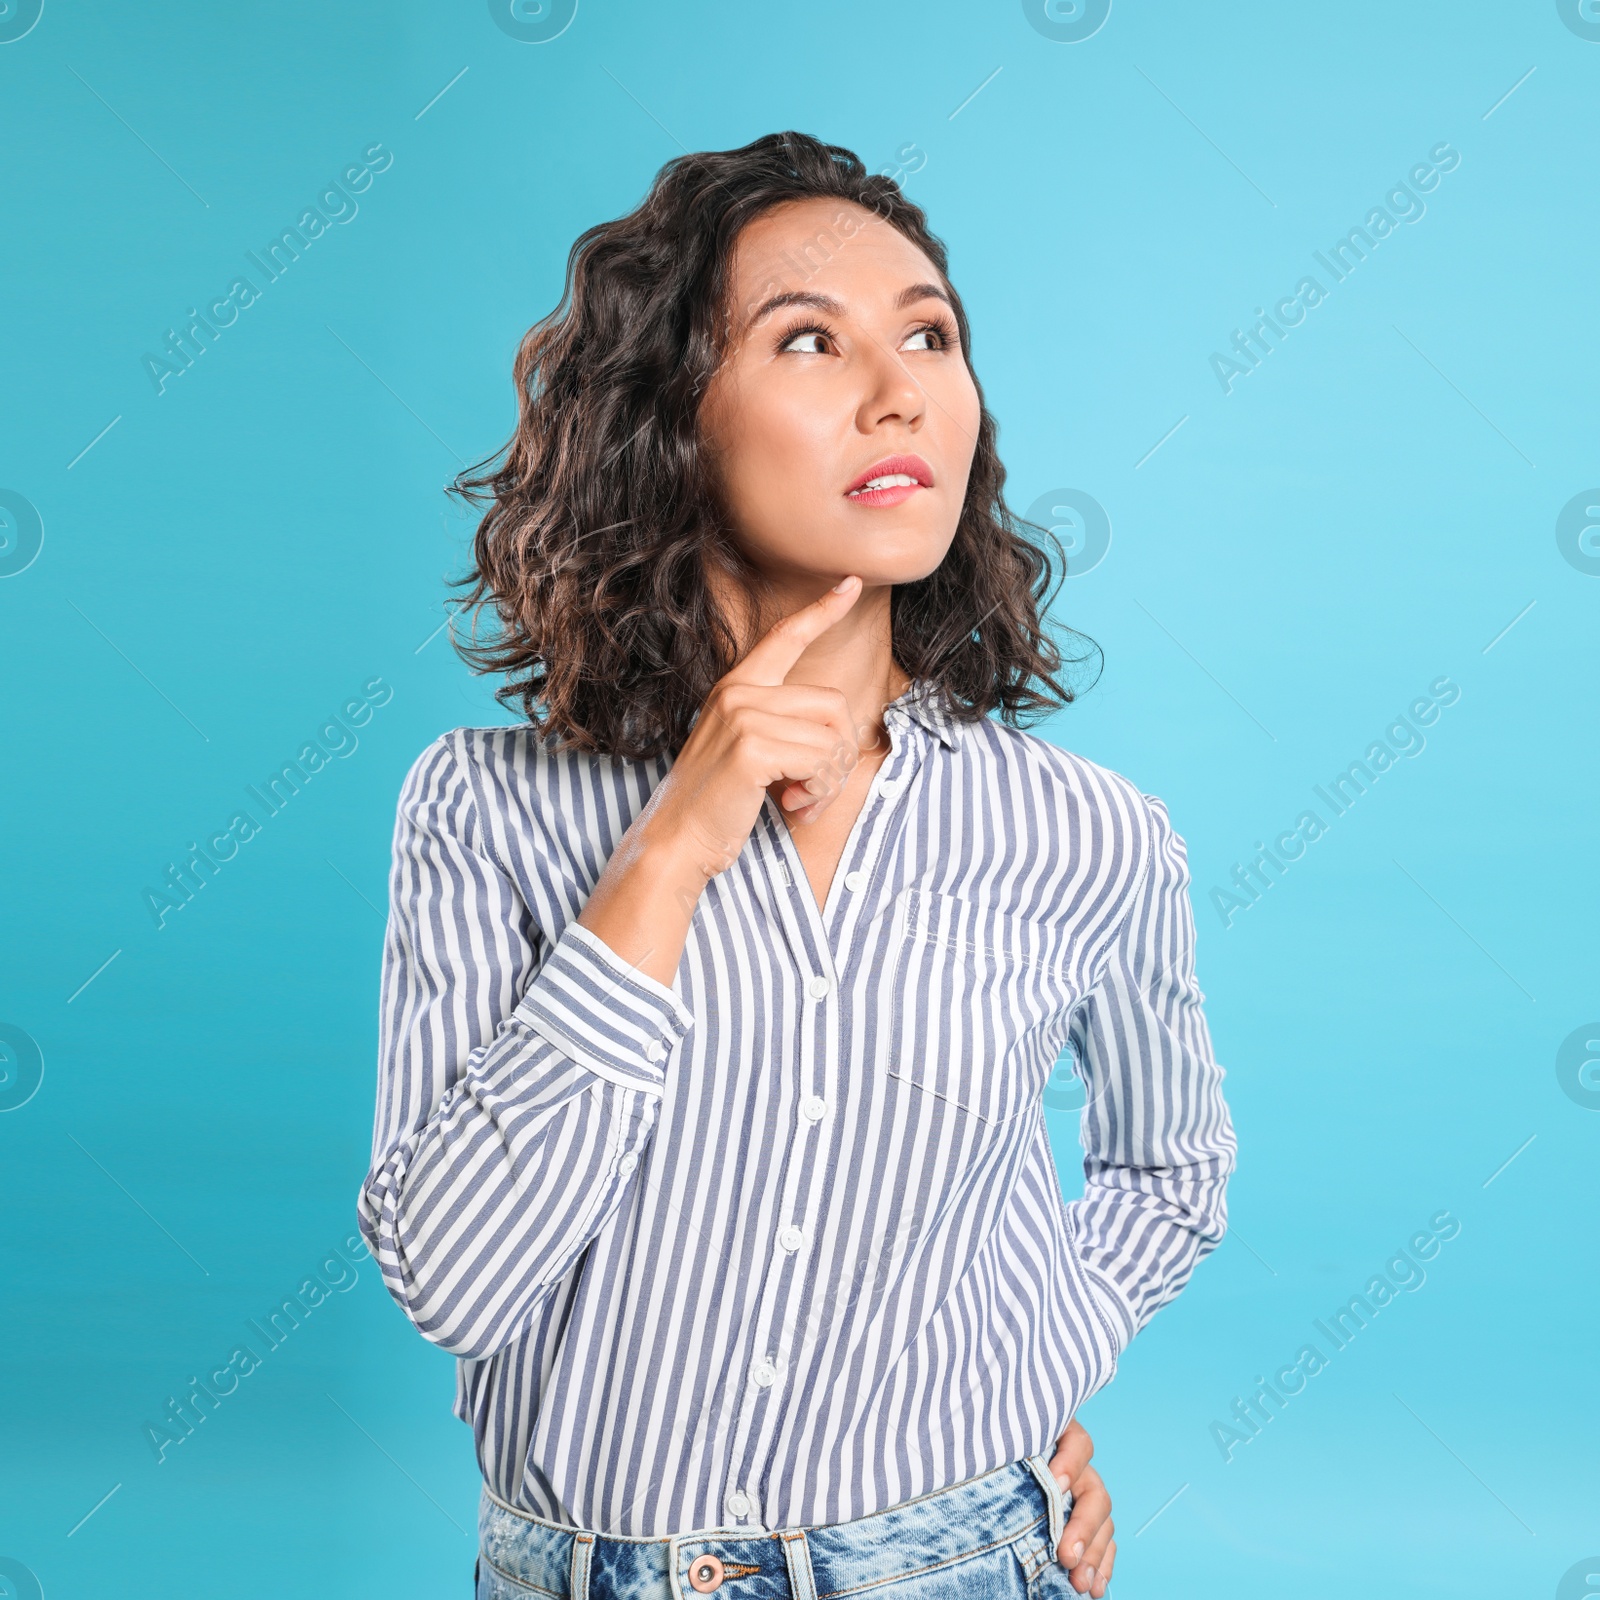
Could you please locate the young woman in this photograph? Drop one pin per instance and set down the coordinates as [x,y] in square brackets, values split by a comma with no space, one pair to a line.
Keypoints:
[719,997]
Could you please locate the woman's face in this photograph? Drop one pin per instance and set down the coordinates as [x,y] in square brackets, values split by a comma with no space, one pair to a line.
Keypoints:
[843,419]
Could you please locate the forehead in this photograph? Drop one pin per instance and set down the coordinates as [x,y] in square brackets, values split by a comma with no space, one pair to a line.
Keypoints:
[832,247]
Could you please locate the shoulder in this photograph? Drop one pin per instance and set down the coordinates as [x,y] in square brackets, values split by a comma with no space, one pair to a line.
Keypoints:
[508,787]
[1099,792]
[1105,838]
[516,756]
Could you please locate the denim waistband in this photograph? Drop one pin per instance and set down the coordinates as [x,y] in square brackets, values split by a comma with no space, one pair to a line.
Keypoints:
[1019,1504]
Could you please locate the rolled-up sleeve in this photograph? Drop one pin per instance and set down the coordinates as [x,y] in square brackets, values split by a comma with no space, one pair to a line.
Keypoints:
[1158,1140]
[518,1080]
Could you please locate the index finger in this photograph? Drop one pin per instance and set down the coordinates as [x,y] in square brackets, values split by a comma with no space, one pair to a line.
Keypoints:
[770,659]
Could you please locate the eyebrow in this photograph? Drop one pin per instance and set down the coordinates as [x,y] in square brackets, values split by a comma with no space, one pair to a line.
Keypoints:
[908,296]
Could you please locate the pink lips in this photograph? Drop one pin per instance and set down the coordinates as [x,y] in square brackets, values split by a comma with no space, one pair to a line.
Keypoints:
[891,467]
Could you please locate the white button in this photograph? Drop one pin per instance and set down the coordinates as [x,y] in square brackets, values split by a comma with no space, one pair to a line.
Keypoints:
[855,880]
[818,987]
[655,1051]
[764,1374]
[813,1108]
[739,1503]
[626,1163]
[791,1238]
[889,788]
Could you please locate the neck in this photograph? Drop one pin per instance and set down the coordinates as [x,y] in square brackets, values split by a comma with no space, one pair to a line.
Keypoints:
[855,656]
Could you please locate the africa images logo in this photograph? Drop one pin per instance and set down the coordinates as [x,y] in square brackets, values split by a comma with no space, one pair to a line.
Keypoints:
[1402,739]
[1402,204]
[335,203]
[335,740]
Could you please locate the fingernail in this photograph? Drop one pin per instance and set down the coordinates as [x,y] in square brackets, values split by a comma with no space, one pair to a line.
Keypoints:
[1063,1483]
[1088,1574]
[1077,1552]
[843,584]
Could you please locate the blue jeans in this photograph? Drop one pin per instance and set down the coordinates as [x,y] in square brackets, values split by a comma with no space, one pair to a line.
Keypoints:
[992,1538]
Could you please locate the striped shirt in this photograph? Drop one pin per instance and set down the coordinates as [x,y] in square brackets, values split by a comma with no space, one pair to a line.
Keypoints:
[784,1244]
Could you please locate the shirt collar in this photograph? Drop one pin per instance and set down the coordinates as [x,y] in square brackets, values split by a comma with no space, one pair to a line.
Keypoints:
[925,705]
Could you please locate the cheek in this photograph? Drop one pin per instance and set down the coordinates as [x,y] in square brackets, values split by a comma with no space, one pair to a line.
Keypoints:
[970,408]
[959,414]
[781,445]
[747,443]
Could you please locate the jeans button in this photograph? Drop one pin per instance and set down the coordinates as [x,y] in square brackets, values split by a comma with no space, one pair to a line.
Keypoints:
[705,1574]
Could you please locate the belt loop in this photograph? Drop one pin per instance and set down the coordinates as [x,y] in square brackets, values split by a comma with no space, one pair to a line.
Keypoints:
[802,1580]
[1053,1499]
[582,1550]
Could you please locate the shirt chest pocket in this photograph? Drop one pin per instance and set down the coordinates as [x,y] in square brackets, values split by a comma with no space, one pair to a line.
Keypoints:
[982,1003]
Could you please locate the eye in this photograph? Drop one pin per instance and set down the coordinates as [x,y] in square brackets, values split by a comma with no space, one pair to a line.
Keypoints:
[806,341]
[930,336]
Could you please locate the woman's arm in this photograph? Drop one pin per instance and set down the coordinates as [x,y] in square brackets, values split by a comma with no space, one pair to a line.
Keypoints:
[511,1113]
[1158,1141]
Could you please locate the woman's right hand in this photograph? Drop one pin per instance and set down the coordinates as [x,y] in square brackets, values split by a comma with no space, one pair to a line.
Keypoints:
[755,731]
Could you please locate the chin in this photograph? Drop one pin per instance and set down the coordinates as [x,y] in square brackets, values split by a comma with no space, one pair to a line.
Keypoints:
[899,557]
[888,550]
[902,571]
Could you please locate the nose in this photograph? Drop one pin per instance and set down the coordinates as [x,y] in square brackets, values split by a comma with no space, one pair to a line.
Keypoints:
[892,392]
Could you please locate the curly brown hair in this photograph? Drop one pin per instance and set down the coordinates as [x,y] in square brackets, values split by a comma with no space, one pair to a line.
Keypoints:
[602,513]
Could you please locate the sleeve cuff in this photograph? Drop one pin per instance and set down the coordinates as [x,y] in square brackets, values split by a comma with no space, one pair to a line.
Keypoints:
[609,1017]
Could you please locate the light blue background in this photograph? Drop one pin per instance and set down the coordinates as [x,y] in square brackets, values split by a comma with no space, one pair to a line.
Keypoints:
[1369,510]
